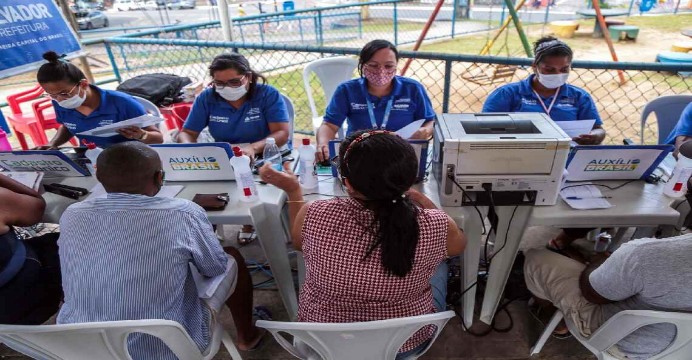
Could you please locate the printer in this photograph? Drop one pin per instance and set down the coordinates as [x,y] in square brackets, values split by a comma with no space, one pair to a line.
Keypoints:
[499,159]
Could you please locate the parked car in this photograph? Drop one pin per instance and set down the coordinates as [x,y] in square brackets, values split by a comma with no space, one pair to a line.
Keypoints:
[91,20]
[181,4]
[126,5]
[152,5]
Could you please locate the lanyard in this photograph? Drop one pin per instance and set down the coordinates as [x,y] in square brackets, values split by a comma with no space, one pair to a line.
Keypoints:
[547,109]
[371,112]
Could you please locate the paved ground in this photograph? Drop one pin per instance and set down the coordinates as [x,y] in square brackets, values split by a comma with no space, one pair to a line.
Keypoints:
[453,343]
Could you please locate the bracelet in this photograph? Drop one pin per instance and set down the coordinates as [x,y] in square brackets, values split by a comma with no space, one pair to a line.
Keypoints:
[144,136]
[294,201]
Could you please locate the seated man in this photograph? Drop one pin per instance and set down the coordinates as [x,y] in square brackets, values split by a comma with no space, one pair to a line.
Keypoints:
[682,132]
[127,256]
[644,274]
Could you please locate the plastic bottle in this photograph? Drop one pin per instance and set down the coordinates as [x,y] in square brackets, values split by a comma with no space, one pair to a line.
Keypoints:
[92,154]
[677,184]
[272,155]
[308,172]
[245,182]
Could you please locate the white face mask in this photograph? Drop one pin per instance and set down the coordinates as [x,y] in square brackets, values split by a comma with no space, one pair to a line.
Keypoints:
[553,81]
[73,102]
[232,94]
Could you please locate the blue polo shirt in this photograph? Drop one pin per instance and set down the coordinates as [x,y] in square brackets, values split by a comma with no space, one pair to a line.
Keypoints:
[114,107]
[247,124]
[411,103]
[573,103]
[683,127]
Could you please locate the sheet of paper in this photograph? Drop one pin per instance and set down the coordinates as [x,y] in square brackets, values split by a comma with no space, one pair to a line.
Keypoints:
[110,129]
[584,197]
[167,191]
[208,287]
[30,179]
[407,131]
[575,128]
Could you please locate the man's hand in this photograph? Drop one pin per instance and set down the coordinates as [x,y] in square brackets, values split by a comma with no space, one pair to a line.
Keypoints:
[322,153]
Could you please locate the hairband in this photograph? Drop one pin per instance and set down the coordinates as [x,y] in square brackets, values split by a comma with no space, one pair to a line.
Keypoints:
[62,58]
[544,47]
[362,137]
[548,44]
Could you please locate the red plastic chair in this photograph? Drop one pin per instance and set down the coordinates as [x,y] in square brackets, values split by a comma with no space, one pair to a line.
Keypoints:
[47,120]
[176,114]
[25,123]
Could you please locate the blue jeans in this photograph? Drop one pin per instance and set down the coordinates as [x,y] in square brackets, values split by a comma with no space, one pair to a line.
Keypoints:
[438,282]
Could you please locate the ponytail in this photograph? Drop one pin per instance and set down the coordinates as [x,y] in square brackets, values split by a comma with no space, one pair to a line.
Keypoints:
[397,235]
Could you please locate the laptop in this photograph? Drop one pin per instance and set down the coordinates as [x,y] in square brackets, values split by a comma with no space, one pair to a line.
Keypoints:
[615,162]
[420,147]
[196,162]
[53,163]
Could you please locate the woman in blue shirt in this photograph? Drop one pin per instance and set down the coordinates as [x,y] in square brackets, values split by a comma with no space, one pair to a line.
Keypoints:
[80,106]
[237,108]
[377,100]
[547,91]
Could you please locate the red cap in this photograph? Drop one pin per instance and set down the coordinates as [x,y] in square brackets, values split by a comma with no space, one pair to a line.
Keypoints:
[677,186]
[306,141]
[237,151]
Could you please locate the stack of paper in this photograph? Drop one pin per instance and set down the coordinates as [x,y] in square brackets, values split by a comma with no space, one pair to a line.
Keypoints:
[112,129]
[30,179]
[584,197]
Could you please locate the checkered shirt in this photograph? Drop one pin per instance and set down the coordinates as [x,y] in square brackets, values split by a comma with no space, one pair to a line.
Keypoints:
[341,285]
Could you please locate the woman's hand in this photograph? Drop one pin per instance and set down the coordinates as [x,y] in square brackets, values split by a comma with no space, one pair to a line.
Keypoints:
[595,137]
[132,132]
[284,180]
[423,133]
[250,152]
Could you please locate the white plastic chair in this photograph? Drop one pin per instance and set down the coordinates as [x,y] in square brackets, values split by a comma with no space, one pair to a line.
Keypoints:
[331,72]
[149,107]
[107,340]
[668,110]
[379,340]
[623,324]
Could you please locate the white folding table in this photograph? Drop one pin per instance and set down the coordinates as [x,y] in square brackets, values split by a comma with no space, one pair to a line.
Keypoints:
[636,204]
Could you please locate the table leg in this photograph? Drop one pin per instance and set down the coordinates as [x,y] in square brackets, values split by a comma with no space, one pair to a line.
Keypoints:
[597,31]
[273,239]
[511,222]
[473,226]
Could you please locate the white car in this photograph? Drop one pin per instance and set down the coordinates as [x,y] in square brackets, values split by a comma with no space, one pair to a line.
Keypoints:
[126,5]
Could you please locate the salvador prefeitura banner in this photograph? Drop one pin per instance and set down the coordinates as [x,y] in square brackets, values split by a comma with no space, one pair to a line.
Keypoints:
[28,28]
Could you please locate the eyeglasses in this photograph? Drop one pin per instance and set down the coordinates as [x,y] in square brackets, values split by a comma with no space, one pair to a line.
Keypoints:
[234,83]
[62,95]
[386,67]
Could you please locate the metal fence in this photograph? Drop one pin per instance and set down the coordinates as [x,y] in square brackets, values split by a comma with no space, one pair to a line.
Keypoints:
[455,83]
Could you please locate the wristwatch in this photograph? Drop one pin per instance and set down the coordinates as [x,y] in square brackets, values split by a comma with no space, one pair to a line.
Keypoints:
[144,137]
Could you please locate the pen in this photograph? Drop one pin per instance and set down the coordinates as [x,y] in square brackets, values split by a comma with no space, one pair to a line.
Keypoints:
[581,198]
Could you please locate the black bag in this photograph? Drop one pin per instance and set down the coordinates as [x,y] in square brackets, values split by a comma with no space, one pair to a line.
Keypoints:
[160,89]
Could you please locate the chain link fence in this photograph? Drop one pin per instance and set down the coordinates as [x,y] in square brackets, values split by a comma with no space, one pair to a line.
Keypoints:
[455,83]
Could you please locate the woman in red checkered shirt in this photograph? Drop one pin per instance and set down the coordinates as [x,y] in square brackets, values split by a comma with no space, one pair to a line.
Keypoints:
[379,253]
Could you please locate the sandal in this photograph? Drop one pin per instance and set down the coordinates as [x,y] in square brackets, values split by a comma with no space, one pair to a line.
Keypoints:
[245,238]
[561,331]
[260,313]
